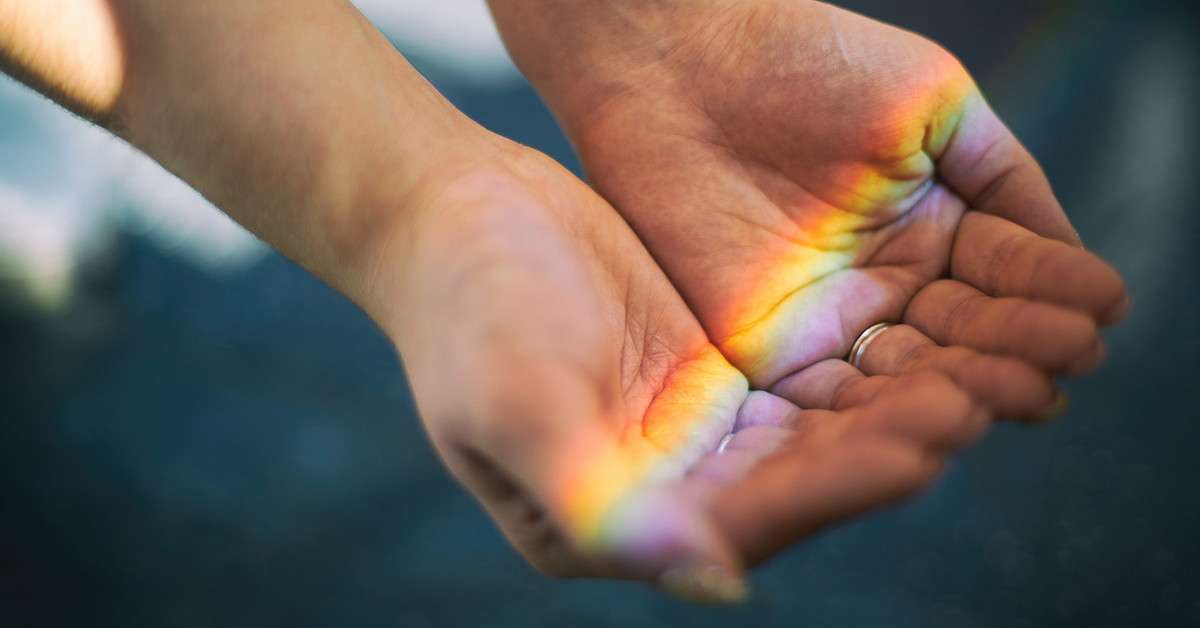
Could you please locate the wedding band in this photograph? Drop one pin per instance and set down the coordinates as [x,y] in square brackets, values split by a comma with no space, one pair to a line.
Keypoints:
[859,348]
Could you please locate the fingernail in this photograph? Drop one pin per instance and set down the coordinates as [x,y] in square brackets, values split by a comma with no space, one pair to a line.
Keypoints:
[705,584]
[1056,408]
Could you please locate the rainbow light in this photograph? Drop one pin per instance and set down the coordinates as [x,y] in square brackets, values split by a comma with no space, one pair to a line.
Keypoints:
[777,330]
[683,422]
[602,482]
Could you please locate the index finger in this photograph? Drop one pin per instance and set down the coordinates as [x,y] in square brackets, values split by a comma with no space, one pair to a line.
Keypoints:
[985,164]
[1004,259]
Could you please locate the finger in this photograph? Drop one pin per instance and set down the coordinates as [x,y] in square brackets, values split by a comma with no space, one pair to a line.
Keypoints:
[737,456]
[1006,260]
[1050,337]
[842,466]
[765,423]
[762,408]
[1089,361]
[987,166]
[758,440]
[1008,386]
[722,469]
[829,384]
[926,409]
[921,395]
[797,492]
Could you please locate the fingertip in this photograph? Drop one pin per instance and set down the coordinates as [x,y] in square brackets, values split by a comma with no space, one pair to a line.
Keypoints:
[1081,279]
[976,425]
[1055,410]
[1009,388]
[1053,337]
[666,538]
[1109,296]
[1089,360]
[1118,311]
[704,584]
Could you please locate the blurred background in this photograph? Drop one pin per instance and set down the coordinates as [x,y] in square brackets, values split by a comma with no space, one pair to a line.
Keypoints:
[194,432]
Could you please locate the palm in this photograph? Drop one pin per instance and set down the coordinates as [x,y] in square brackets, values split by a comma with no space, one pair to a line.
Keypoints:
[801,173]
[581,401]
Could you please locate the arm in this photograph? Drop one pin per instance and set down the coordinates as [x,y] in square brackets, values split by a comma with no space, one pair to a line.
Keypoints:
[296,117]
[502,280]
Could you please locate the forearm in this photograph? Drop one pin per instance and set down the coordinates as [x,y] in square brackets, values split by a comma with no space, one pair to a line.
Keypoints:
[294,116]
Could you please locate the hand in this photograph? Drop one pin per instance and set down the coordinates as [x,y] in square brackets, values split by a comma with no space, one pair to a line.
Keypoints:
[565,382]
[802,172]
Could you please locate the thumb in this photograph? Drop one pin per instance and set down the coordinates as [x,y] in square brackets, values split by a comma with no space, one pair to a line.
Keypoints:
[615,504]
[984,163]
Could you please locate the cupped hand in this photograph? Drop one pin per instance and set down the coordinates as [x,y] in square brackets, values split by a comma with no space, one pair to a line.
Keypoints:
[564,381]
[802,172]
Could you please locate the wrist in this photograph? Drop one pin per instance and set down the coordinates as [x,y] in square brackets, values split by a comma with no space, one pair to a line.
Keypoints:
[411,238]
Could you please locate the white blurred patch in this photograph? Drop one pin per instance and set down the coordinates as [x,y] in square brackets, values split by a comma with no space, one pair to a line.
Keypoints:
[41,247]
[457,34]
[1147,174]
[57,216]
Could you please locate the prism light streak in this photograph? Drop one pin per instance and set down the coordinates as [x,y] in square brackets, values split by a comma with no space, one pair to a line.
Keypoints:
[601,483]
[787,314]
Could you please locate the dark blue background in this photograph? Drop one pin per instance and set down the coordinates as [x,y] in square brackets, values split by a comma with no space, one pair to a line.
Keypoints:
[184,450]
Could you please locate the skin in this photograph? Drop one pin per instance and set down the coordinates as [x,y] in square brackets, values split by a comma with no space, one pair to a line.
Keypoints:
[560,375]
[802,172]
[531,406]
